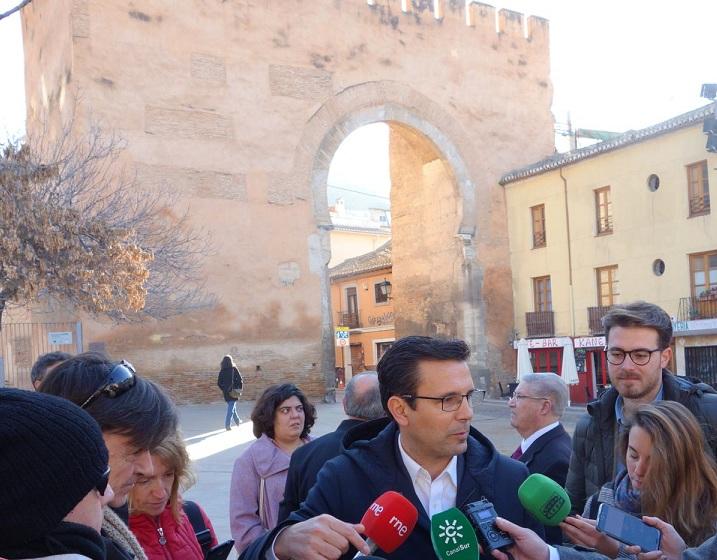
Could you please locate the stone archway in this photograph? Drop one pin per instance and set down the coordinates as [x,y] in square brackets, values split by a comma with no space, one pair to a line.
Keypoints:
[452,306]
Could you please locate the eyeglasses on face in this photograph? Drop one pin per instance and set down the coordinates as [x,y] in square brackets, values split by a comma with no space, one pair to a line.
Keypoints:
[120,380]
[101,485]
[520,397]
[639,356]
[452,403]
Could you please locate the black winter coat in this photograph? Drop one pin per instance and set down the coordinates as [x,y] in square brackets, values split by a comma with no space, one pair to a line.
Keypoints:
[349,483]
[592,462]
[228,380]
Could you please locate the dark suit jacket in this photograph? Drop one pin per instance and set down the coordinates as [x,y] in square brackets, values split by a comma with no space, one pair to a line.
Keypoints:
[371,464]
[305,464]
[550,455]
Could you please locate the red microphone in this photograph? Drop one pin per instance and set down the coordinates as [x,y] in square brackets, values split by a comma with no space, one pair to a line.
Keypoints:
[388,522]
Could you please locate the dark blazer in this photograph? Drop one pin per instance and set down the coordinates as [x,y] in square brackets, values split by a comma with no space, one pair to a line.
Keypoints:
[550,455]
[371,464]
[305,464]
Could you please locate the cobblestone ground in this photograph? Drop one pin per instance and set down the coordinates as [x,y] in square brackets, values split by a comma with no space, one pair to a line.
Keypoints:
[214,450]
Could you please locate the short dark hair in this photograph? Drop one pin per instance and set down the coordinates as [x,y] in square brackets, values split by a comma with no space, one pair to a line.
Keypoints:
[364,404]
[640,314]
[39,368]
[398,367]
[144,413]
[263,414]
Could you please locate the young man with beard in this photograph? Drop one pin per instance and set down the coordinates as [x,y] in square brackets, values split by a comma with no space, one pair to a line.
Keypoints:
[638,350]
[135,416]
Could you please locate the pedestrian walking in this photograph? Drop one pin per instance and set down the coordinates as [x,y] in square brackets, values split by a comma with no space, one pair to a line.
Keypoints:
[231,383]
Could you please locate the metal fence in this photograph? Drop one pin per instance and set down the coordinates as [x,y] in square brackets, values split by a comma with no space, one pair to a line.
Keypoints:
[22,343]
[701,362]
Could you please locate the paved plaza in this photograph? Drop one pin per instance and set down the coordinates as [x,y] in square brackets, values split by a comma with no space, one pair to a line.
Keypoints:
[214,450]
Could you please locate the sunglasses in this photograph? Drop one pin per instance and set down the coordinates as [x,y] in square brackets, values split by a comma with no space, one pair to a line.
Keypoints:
[102,483]
[120,380]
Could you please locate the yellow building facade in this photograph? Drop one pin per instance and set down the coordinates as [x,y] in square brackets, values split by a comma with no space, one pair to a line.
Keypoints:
[362,306]
[618,221]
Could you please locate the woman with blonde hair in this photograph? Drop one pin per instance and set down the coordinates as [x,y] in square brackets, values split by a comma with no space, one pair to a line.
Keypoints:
[157,517]
[668,474]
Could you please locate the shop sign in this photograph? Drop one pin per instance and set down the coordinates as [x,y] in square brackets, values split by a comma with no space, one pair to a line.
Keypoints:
[590,342]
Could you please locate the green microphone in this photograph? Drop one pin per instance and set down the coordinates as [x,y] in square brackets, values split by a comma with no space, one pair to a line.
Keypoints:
[545,499]
[453,536]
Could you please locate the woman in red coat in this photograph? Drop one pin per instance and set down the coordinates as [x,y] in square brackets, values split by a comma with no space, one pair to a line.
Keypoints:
[156,515]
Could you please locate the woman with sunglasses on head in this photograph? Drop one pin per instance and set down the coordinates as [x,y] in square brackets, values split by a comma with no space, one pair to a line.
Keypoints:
[668,474]
[157,517]
[282,419]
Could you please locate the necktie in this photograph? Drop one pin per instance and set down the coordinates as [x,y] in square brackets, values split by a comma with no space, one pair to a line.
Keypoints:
[517,454]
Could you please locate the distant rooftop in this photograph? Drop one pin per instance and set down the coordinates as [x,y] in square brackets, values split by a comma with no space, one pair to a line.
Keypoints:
[369,262]
[630,137]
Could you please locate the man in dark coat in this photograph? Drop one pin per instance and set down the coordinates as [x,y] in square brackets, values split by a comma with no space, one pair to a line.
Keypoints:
[638,351]
[362,402]
[536,407]
[426,449]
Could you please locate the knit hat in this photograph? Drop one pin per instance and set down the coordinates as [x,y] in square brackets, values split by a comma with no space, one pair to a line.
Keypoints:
[51,455]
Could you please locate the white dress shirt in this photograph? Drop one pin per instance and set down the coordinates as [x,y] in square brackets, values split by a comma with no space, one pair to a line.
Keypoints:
[436,495]
[527,442]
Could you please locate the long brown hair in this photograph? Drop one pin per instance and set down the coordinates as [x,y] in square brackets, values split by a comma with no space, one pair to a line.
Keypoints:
[680,486]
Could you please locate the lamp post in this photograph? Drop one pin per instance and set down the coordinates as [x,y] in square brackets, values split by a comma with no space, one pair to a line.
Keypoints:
[385,288]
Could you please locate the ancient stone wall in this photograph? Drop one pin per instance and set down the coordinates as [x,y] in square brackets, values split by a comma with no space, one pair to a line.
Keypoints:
[239,106]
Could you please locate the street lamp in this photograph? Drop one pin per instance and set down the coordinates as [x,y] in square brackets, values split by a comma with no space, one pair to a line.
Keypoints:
[385,288]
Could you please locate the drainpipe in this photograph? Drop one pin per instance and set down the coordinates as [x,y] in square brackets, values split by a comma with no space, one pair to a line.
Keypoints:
[570,255]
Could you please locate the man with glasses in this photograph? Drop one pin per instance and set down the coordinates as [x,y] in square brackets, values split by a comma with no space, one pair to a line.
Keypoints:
[536,407]
[134,414]
[638,351]
[426,449]
[54,478]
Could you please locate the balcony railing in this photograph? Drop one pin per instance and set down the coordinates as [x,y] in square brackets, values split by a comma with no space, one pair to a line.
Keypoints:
[540,323]
[595,315]
[350,320]
[694,308]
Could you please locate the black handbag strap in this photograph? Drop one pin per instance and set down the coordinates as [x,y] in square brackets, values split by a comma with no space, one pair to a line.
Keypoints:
[202,532]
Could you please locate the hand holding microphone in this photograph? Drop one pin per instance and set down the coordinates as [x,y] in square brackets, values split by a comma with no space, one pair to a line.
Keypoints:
[545,499]
[388,522]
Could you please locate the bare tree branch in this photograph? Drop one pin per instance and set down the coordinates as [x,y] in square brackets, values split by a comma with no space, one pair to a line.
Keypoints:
[77,228]
[17,8]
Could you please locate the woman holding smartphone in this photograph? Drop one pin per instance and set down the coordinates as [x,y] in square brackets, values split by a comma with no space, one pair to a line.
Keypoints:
[668,474]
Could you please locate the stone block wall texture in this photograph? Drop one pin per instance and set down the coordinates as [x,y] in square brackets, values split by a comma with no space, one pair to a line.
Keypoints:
[240,105]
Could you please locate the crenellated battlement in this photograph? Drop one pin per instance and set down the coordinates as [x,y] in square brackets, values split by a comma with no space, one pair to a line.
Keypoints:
[475,14]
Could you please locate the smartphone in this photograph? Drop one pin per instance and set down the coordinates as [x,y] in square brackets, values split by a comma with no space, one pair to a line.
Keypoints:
[221,551]
[627,528]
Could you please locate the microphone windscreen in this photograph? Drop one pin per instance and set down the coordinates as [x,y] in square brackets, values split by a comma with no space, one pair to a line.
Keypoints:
[545,499]
[389,520]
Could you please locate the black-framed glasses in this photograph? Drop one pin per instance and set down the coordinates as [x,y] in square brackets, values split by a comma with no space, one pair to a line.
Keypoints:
[102,483]
[639,356]
[452,403]
[120,380]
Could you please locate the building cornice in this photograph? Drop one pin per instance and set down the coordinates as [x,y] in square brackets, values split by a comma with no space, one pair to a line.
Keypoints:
[630,137]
